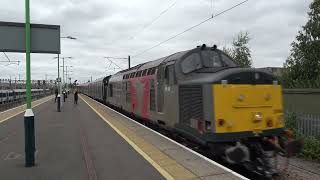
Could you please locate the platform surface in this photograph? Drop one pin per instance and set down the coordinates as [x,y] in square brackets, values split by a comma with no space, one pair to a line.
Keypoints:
[91,141]
[73,144]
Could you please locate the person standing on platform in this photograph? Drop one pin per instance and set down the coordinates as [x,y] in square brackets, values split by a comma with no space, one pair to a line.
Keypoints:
[76,97]
[56,93]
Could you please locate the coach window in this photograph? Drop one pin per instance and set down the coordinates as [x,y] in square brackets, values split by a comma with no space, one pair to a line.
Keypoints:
[153,70]
[144,72]
[128,94]
[149,71]
[191,63]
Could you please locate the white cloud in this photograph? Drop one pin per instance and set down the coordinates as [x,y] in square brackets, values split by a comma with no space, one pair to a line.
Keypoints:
[104,28]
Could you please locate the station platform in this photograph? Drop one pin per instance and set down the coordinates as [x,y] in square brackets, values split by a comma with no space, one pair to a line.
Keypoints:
[90,141]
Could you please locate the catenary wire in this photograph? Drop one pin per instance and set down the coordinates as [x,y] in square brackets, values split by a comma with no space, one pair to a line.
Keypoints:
[154,20]
[190,28]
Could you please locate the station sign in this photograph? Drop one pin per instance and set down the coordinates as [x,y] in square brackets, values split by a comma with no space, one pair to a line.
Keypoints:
[44,38]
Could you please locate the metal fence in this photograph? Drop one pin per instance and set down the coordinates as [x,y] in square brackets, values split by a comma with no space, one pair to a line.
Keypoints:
[21,84]
[307,124]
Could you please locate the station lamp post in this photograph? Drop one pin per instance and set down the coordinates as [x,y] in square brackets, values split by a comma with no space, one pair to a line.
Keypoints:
[67,76]
[59,80]
[63,70]
[28,116]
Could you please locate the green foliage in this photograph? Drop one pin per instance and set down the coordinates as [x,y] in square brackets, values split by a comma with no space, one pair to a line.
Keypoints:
[303,64]
[288,82]
[240,50]
[311,148]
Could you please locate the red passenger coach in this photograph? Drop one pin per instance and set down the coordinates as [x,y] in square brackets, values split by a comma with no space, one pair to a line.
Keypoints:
[130,90]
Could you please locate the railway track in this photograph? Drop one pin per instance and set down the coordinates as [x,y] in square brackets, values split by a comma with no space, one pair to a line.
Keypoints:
[304,169]
[290,170]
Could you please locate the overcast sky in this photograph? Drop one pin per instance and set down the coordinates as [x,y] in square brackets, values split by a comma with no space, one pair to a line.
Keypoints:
[117,28]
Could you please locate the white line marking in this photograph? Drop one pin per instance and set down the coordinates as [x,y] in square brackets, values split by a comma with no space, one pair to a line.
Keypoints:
[22,105]
[23,110]
[159,168]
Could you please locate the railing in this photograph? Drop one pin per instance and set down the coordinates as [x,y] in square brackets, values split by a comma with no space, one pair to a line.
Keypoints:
[12,104]
[307,124]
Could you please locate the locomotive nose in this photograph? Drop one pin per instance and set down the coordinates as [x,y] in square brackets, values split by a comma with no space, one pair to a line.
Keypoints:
[247,108]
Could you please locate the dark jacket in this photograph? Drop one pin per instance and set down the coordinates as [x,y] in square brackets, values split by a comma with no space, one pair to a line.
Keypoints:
[76,95]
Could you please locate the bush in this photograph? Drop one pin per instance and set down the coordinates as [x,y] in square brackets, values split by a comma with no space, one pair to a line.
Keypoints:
[311,149]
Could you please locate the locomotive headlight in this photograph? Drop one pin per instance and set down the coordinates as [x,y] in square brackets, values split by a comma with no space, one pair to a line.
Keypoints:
[258,117]
[241,97]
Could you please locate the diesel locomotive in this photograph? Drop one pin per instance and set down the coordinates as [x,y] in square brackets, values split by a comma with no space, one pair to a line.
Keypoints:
[202,95]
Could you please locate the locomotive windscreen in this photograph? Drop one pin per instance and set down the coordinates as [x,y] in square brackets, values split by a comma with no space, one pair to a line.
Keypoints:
[206,59]
[216,59]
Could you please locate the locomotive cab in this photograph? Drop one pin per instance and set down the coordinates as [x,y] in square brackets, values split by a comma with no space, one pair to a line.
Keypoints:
[223,102]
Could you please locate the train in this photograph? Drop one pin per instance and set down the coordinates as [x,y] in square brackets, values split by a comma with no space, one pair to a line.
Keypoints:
[14,95]
[202,95]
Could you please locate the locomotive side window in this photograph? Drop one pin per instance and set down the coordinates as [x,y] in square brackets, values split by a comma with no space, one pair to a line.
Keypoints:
[111,90]
[191,63]
[152,97]
[169,74]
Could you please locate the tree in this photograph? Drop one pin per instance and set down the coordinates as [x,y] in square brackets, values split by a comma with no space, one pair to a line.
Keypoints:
[303,64]
[240,50]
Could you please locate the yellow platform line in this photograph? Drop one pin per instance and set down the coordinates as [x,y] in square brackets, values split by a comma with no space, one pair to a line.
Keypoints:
[20,109]
[162,171]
